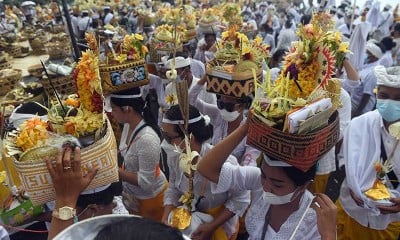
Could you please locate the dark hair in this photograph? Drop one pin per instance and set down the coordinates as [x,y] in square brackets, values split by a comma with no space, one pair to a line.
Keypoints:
[199,129]
[32,108]
[140,106]
[246,100]
[137,228]
[267,28]
[288,23]
[104,197]
[305,19]
[278,54]
[397,27]
[381,46]
[298,176]
[388,43]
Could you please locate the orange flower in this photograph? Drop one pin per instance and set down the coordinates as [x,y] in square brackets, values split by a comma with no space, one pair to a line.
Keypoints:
[69,128]
[33,132]
[72,102]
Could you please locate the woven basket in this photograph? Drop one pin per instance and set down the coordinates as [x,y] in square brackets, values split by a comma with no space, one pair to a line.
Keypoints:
[102,154]
[36,70]
[236,84]
[300,151]
[57,50]
[8,79]
[132,74]
[39,98]
[5,65]
[14,51]
[63,84]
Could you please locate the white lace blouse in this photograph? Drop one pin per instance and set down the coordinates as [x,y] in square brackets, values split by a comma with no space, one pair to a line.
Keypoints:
[234,200]
[248,178]
[142,157]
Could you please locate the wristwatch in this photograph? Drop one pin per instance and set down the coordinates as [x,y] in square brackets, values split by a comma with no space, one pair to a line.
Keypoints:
[64,213]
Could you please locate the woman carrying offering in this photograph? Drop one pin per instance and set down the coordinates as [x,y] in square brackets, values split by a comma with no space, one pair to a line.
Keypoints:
[188,185]
[281,201]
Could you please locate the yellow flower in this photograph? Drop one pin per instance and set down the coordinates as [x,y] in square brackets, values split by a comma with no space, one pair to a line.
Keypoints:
[122,58]
[138,37]
[258,40]
[144,49]
[246,49]
[344,47]
[337,37]
[171,99]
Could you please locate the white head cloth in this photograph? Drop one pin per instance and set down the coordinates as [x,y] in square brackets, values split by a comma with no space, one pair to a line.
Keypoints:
[107,100]
[274,163]
[180,62]
[374,49]
[89,228]
[95,190]
[193,120]
[389,77]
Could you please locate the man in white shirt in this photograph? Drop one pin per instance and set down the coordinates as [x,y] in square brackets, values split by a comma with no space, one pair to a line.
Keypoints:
[182,66]
[363,97]
[368,139]
[108,16]
[84,24]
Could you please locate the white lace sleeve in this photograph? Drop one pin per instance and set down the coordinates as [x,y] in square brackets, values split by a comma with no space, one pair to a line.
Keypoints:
[237,177]
[172,194]
[149,154]
[119,208]
[205,108]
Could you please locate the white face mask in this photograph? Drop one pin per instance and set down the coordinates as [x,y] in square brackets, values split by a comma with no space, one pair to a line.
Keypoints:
[171,150]
[277,200]
[229,116]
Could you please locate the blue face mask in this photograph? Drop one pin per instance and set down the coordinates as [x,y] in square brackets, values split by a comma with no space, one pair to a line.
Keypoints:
[389,109]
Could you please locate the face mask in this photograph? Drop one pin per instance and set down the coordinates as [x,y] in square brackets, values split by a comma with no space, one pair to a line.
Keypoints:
[366,60]
[277,200]
[171,150]
[229,116]
[389,109]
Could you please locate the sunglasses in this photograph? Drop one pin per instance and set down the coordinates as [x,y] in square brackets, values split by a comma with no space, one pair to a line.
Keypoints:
[230,106]
[169,138]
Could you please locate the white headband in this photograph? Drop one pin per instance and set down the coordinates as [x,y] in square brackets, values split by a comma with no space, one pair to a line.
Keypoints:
[374,49]
[95,190]
[176,122]
[275,163]
[127,96]
[389,77]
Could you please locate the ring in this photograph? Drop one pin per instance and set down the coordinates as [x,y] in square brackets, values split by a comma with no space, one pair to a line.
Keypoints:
[66,168]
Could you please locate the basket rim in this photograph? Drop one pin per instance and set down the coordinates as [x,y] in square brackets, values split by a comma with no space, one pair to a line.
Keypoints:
[84,150]
[302,162]
[104,67]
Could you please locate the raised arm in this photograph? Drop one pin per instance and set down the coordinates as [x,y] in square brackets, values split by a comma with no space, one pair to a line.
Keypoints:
[68,182]
[211,163]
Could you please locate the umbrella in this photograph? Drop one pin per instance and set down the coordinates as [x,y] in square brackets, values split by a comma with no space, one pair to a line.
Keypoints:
[28,3]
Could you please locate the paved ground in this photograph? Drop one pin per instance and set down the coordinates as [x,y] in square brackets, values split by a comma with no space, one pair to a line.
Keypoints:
[25,62]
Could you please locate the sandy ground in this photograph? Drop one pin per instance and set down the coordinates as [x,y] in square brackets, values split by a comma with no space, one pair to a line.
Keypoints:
[25,62]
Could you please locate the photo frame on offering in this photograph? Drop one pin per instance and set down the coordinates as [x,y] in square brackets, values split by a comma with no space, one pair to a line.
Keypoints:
[128,75]
[119,77]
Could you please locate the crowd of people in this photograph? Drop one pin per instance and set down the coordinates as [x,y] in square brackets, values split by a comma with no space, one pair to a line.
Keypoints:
[247,194]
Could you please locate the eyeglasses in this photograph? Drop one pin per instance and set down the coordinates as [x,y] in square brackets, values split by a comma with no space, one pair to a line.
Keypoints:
[169,138]
[228,106]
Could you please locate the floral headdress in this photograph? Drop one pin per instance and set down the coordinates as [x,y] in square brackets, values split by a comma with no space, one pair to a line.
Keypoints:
[235,52]
[307,71]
